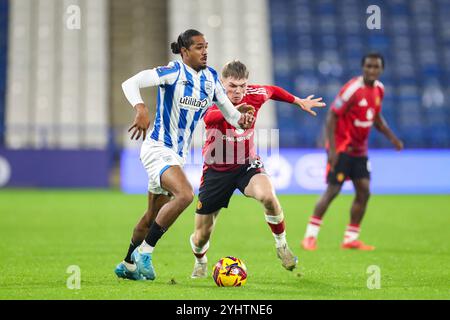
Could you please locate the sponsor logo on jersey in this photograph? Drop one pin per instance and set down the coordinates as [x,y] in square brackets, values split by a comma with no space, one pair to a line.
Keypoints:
[192,103]
[230,138]
[362,124]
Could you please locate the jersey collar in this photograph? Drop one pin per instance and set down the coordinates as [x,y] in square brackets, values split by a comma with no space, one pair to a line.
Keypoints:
[191,70]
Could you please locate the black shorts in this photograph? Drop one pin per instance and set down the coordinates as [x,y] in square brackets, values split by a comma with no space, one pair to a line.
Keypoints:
[218,186]
[349,167]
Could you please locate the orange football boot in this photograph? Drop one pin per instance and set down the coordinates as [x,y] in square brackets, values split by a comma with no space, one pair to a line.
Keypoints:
[357,245]
[309,243]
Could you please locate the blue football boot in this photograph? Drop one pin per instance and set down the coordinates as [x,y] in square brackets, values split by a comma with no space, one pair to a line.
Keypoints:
[144,264]
[122,272]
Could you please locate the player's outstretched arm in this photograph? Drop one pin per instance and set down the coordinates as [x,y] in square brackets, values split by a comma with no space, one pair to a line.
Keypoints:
[309,103]
[280,94]
[382,126]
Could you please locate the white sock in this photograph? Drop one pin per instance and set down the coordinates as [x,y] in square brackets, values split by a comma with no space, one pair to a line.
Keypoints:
[199,251]
[146,248]
[130,266]
[280,239]
[351,234]
[313,228]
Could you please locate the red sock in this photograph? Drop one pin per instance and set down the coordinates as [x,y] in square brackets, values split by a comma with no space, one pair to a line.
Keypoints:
[276,223]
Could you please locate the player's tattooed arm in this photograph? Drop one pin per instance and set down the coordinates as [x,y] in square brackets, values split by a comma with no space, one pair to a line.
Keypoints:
[330,129]
[309,103]
[382,126]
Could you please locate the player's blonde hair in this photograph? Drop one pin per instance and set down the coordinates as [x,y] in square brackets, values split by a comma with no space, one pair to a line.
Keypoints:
[235,69]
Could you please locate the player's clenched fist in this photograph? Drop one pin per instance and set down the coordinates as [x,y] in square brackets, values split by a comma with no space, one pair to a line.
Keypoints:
[246,120]
[141,122]
[245,108]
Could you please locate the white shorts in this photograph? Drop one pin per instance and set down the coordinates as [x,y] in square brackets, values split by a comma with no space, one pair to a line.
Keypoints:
[157,158]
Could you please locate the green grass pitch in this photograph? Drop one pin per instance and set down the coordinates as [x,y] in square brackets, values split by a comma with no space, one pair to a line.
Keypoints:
[42,233]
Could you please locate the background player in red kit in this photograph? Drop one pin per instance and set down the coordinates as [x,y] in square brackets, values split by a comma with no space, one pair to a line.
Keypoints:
[350,118]
[231,162]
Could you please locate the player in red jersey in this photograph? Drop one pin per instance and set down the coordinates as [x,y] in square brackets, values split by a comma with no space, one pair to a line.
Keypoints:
[350,118]
[231,162]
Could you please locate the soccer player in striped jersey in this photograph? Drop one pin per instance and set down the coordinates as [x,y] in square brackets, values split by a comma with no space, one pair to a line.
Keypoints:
[230,162]
[186,89]
[356,108]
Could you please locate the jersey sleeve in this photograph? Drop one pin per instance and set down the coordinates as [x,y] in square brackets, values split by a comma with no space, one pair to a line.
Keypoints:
[219,92]
[148,78]
[381,97]
[168,74]
[213,116]
[279,94]
[344,99]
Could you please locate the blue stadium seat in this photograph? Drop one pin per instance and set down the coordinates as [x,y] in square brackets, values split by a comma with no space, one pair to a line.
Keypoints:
[322,42]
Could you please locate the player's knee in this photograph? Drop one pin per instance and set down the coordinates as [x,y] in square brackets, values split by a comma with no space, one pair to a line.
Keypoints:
[185,197]
[269,201]
[363,195]
[332,193]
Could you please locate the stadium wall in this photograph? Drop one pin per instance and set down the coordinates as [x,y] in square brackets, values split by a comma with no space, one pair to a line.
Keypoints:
[54,168]
[302,171]
[3,62]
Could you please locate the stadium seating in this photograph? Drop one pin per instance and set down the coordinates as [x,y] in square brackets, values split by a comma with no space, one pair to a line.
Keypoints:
[59,73]
[318,45]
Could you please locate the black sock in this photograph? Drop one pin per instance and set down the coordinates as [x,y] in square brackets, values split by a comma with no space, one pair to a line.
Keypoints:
[130,251]
[155,233]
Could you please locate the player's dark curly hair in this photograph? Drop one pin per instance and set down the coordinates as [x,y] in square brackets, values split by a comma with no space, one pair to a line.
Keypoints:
[184,40]
[375,55]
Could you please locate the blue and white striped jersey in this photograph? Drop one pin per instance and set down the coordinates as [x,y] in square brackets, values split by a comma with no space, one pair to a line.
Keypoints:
[184,95]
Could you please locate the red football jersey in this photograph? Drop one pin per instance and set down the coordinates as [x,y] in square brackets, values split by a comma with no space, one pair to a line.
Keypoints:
[226,147]
[356,106]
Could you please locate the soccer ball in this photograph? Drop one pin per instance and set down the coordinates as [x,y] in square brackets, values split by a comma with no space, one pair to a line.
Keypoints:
[229,272]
